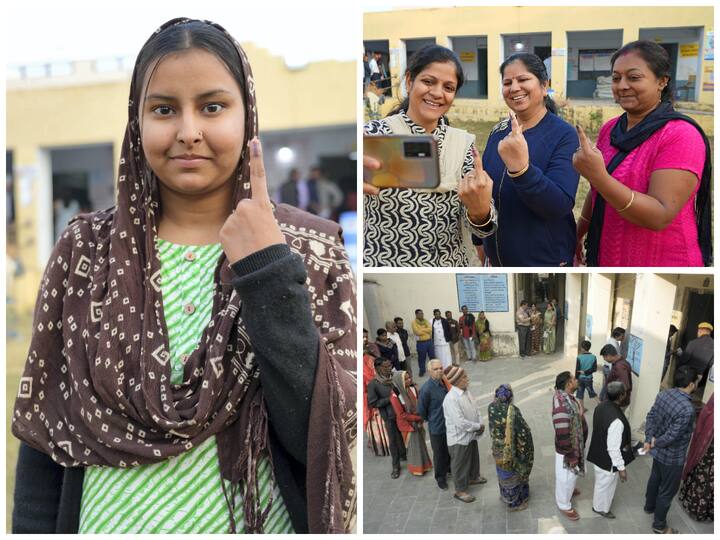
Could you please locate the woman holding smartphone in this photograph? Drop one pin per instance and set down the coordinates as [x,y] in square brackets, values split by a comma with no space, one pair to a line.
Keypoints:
[181,378]
[429,227]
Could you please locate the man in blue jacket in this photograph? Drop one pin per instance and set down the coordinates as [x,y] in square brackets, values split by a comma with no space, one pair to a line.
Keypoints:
[430,407]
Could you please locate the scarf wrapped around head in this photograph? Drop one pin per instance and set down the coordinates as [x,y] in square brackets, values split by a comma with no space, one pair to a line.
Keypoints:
[406,398]
[96,387]
[512,443]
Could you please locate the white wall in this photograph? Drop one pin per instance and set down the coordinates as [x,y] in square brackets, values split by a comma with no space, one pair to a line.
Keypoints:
[402,293]
[573,296]
[599,298]
[653,301]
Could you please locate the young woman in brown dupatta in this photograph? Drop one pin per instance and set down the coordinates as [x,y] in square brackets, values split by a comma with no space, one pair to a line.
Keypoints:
[267,394]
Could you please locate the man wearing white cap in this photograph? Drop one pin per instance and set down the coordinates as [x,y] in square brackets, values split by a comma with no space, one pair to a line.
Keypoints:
[463,425]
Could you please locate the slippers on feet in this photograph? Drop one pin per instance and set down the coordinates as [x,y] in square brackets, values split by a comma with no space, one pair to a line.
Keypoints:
[464,498]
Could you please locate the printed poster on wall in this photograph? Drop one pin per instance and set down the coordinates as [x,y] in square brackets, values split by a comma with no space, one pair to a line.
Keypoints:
[634,353]
[709,49]
[483,292]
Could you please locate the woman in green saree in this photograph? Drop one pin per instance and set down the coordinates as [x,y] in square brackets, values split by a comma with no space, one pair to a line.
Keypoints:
[512,448]
[550,319]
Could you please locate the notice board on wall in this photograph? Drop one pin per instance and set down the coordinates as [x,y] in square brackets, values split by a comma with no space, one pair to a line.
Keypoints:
[483,292]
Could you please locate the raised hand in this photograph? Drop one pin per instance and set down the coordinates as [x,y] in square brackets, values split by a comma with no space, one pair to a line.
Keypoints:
[475,191]
[587,159]
[252,225]
[513,149]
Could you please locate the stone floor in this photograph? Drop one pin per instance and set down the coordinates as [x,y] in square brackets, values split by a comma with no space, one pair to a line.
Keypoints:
[416,505]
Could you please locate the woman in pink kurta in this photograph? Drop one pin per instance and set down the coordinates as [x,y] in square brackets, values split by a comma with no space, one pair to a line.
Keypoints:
[678,145]
[649,203]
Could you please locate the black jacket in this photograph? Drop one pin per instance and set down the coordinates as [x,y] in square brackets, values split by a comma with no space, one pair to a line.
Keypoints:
[378,396]
[404,339]
[605,414]
[48,496]
[698,354]
[446,329]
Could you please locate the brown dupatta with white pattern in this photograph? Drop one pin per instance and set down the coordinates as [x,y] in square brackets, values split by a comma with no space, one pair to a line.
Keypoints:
[96,387]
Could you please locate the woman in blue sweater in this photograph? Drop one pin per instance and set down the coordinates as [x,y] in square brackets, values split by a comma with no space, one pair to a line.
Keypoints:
[529,158]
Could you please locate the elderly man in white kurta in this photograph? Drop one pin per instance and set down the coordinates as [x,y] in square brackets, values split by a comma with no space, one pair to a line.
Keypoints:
[463,427]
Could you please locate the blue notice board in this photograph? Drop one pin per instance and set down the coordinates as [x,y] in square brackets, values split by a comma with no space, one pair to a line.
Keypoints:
[483,292]
[588,326]
[634,353]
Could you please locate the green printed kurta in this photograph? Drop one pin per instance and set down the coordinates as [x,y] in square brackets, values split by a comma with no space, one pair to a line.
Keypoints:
[183,494]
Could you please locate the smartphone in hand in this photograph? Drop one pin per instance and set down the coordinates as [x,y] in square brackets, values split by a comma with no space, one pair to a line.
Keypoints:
[407,161]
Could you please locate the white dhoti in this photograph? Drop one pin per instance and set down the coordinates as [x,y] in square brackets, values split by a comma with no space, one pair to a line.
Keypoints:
[442,353]
[604,491]
[564,484]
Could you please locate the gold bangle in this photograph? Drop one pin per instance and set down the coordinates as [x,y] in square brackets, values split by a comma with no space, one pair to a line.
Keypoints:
[470,221]
[584,218]
[520,172]
[632,198]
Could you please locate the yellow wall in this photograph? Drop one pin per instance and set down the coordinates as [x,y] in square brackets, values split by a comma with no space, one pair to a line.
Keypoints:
[493,22]
[51,113]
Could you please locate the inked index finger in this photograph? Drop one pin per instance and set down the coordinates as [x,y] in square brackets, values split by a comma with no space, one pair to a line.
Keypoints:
[478,160]
[515,125]
[584,141]
[258,182]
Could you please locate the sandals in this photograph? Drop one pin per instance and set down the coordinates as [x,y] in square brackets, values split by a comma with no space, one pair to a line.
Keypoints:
[479,480]
[607,514]
[666,530]
[571,514]
[467,498]
[522,506]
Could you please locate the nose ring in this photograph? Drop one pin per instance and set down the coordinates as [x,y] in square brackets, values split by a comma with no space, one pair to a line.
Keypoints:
[200,134]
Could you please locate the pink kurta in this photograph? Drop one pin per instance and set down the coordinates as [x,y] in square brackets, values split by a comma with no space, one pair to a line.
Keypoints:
[677,145]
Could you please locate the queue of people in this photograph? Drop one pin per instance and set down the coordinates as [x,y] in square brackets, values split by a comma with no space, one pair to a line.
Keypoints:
[649,172]
[455,424]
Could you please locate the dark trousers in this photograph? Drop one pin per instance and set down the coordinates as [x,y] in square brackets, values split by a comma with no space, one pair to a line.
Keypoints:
[441,456]
[424,349]
[397,446]
[603,390]
[662,486]
[465,462]
[524,339]
[585,384]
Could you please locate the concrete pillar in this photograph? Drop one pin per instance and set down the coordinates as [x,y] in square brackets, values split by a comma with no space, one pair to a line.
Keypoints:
[559,62]
[495,58]
[651,316]
[443,41]
[573,296]
[630,33]
[599,300]
[397,64]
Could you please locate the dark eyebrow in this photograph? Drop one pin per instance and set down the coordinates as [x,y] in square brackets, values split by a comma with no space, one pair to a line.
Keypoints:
[204,95]
[629,70]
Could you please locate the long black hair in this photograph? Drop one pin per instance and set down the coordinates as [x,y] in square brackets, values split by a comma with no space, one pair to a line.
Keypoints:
[657,59]
[421,59]
[535,66]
